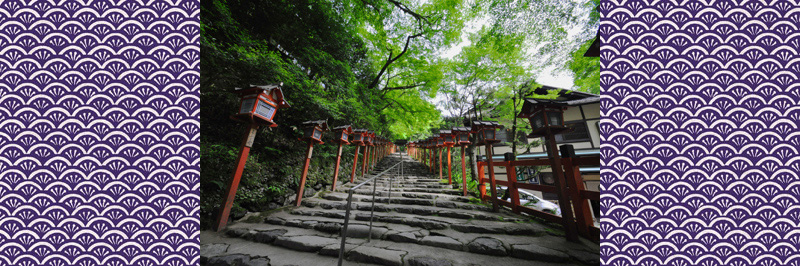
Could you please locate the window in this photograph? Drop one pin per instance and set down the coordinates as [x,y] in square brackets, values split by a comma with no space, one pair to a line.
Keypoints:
[580,132]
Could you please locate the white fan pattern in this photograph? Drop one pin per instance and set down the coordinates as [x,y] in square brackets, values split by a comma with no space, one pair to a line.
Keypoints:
[701,107]
[99,133]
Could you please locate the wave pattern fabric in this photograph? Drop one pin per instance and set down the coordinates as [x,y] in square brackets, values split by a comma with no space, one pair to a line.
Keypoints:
[700,137]
[99,133]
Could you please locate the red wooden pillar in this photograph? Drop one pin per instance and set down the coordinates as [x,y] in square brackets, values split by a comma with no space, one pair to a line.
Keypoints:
[492,182]
[355,166]
[512,186]
[568,220]
[233,185]
[440,163]
[583,215]
[463,171]
[431,159]
[449,167]
[305,173]
[336,170]
[364,166]
[481,181]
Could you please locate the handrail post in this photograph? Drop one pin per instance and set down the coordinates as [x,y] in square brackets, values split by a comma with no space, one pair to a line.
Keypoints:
[346,221]
[481,182]
[574,181]
[372,211]
[567,218]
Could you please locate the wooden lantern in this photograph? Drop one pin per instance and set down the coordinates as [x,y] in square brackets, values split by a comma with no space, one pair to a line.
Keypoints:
[439,141]
[485,132]
[544,115]
[448,137]
[312,130]
[258,104]
[462,135]
[342,134]
[368,139]
[358,136]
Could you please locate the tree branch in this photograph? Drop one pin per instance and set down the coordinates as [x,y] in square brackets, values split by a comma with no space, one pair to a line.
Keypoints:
[391,60]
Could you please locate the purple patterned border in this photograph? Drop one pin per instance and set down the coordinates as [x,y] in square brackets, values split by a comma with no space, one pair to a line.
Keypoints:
[700,141]
[99,133]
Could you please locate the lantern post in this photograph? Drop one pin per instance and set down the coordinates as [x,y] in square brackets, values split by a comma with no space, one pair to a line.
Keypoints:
[432,148]
[547,119]
[448,141]
[257,107]
[462,138]
[312,133]
[358,140]
[487,135]
[367,150]
[342,134]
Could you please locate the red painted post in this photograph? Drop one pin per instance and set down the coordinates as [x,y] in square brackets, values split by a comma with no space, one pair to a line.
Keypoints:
[355,166]
[431,159]
[568,220]
[463,171]
[364,166]
[583,215]
[440,163]
[233,185]
[481,181]
[491,176]
[305,173]
[336,170]
[512,186]
[449,167]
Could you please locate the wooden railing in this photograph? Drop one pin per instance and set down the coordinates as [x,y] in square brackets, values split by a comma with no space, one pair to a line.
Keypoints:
[575,192]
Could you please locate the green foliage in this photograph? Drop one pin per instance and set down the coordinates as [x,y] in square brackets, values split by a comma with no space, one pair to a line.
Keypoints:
[585,70]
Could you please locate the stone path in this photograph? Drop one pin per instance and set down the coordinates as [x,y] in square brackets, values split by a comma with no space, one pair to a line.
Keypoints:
[426,222]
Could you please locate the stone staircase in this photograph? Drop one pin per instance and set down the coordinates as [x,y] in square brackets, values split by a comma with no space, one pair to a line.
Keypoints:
[424,222]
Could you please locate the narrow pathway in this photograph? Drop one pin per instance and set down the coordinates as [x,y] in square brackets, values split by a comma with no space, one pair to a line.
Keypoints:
[426,222]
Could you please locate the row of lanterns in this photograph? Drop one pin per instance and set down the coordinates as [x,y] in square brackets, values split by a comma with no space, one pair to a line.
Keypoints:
[259,104]
[545,116]
[258,107]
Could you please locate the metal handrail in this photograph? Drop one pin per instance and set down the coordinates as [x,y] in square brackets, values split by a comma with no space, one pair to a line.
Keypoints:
[372,210]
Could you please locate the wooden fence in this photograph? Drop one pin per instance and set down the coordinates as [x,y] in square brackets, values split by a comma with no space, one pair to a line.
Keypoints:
[575,193]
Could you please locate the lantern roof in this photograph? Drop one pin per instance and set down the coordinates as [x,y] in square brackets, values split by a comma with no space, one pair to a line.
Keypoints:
[346,128]
[274,90]
[529,107]
[478,125]
[462,129]
[323,124]
[445,132]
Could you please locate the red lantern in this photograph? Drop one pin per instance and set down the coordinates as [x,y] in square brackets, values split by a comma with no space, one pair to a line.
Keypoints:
[312,130]
[485,132]
[543,115]
[447,137]
[462,135]
[259,104]
[342,134]
[359,135]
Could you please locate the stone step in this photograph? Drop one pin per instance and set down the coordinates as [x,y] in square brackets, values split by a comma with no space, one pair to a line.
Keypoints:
[401,183]
[328,243]
[404,194]
[304,219]
[333,209]
[397,191]
[301,247]
[445,203]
